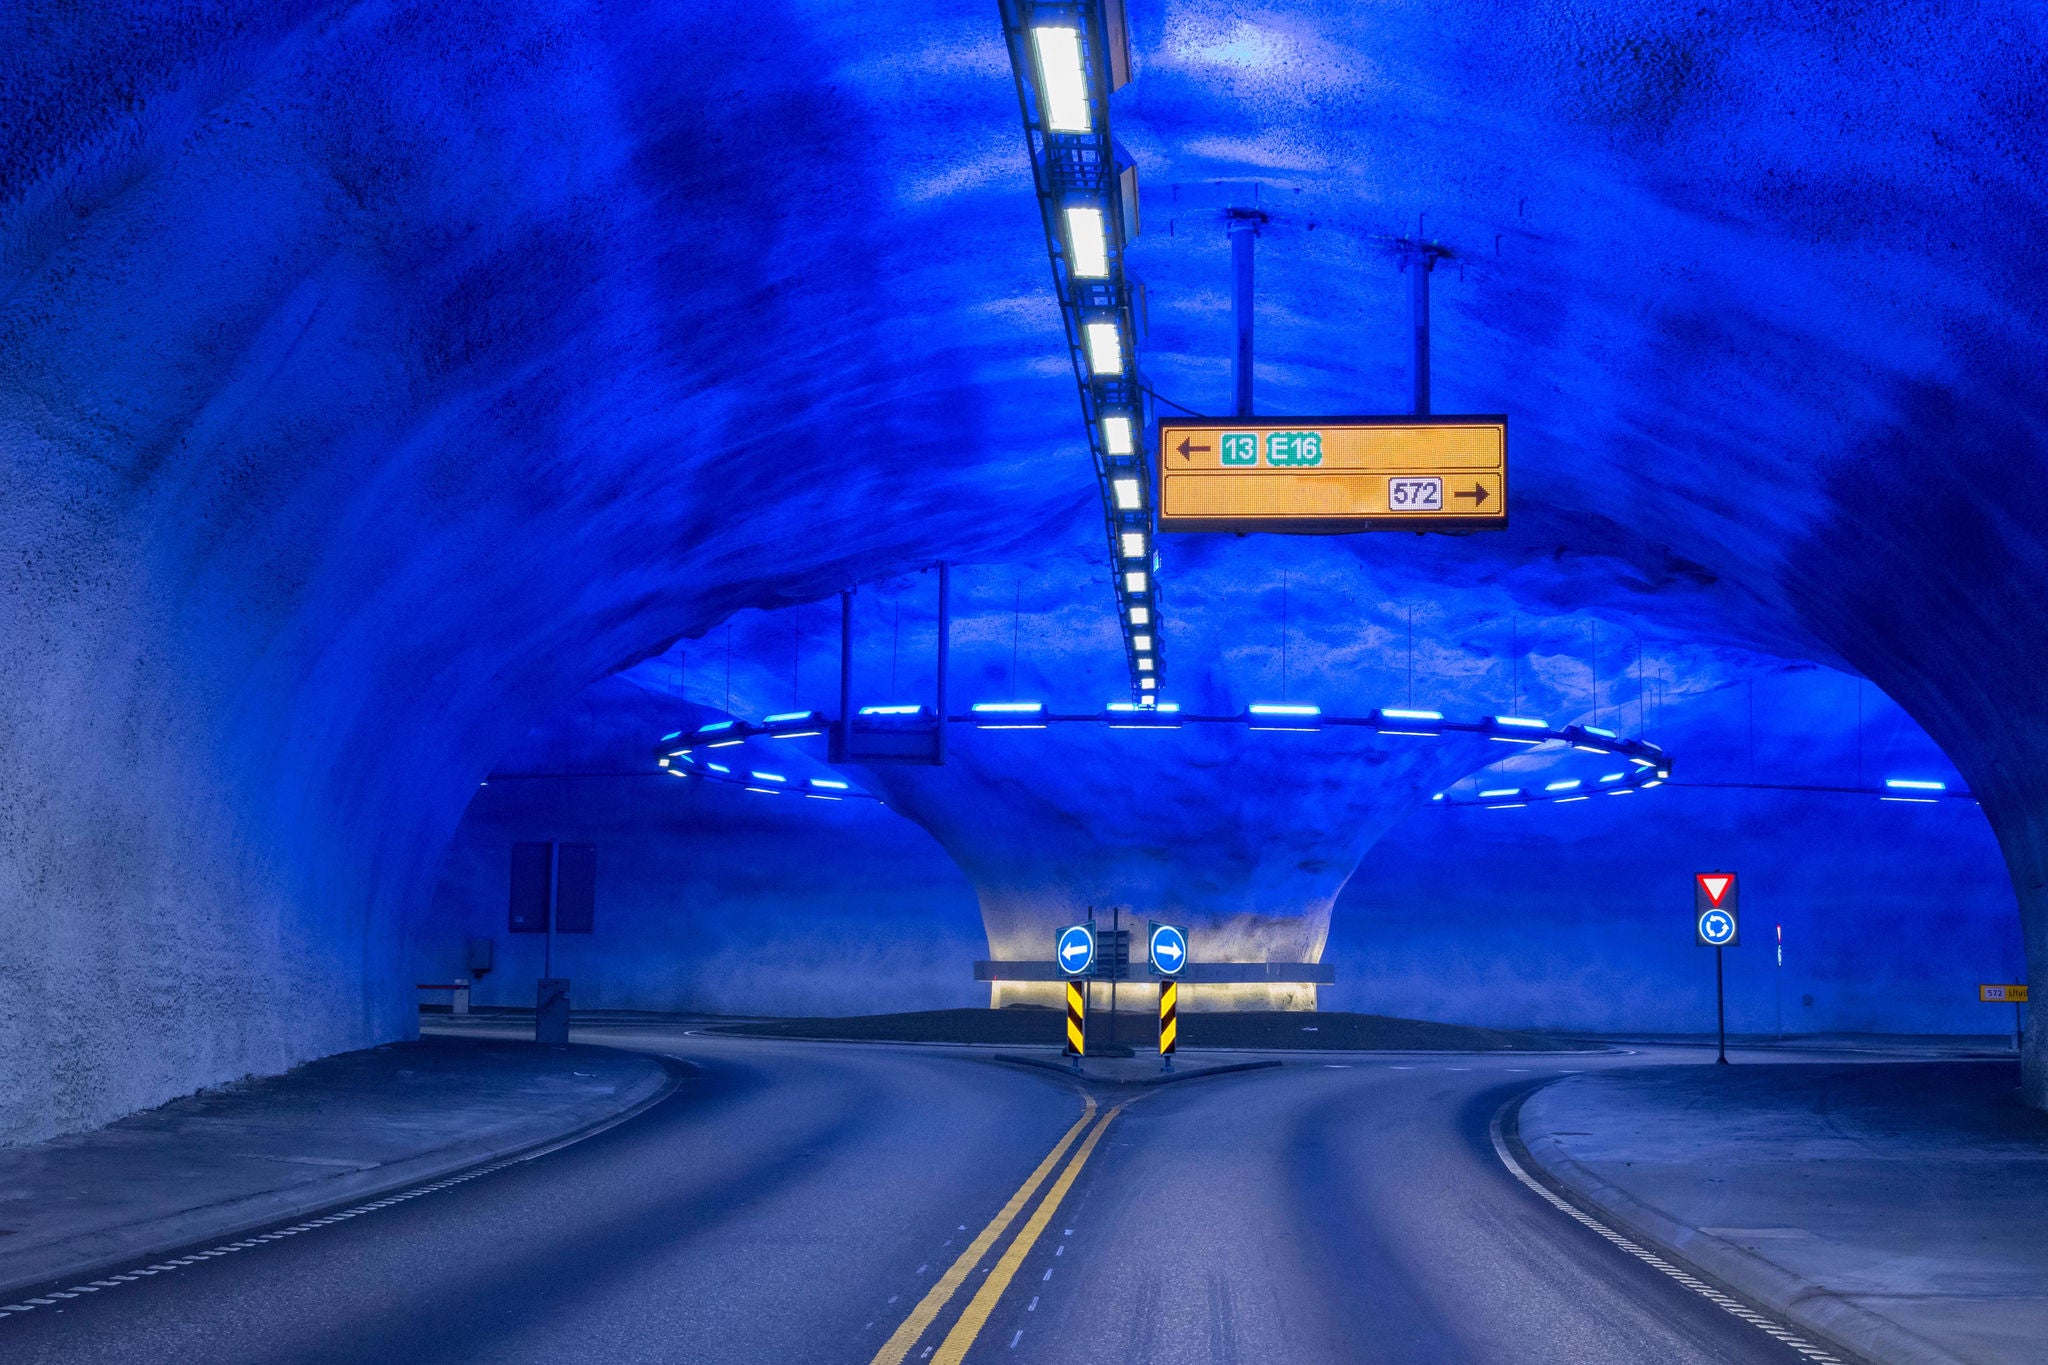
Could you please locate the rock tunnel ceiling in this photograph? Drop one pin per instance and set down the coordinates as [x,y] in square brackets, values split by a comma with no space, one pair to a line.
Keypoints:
[373,378]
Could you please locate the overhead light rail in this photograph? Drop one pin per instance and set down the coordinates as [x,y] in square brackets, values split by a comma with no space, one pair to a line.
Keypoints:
[1067,57]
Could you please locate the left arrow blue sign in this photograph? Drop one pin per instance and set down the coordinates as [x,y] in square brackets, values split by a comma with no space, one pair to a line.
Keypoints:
[1074,950]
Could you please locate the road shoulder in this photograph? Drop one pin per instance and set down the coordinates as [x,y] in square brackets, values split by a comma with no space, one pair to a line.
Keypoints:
[359,1126]
[1853,1201]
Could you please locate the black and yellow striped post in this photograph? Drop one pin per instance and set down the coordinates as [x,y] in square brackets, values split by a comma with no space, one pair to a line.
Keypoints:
[1077,1019]
[1169,1019]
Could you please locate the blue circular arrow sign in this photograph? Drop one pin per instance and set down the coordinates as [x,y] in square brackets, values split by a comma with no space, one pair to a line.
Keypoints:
[1717,927]
[1169,949]
[1074,950]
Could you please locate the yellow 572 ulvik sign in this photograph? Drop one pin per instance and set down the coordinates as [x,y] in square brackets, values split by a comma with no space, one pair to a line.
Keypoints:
[1333,474]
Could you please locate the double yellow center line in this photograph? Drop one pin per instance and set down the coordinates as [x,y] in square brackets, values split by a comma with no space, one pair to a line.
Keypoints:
[954,1348]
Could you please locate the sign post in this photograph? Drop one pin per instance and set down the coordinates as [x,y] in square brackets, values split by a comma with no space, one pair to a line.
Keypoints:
[1166,952]
[1779,978]
[1717,925]
[2013,993]
[1074,954]
[1169,1022]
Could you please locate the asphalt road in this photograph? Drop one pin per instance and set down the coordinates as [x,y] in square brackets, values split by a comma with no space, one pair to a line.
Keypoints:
[825,1202]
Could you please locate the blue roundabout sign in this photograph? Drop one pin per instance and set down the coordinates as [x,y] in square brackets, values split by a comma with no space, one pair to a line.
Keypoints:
[1169,949]
[1074,950]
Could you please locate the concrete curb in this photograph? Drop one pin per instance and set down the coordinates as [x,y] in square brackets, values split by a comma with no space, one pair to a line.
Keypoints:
[1164,1078]
[92,1254]
[1185,1049]
[1812,1307]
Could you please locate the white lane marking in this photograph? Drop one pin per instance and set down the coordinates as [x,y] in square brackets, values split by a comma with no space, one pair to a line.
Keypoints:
[1698,1286]
[1046,1276]
[1032,1307]
[340,1216]
[1019,1337]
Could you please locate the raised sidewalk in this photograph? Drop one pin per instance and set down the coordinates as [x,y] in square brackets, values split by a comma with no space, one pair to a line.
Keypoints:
[1898,1209]
[343,1129]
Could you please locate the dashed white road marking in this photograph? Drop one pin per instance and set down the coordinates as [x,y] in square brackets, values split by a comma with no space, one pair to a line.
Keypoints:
[1017,1338]
[1650,1258]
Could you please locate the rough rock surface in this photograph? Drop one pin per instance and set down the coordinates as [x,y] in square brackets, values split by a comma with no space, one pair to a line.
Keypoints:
[375,377]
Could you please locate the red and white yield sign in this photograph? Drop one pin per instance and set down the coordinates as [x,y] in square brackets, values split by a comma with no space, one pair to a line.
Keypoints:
[1716,919]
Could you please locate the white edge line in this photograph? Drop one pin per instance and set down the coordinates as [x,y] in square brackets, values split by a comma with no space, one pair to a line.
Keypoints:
[1725,1302]
[52,1297]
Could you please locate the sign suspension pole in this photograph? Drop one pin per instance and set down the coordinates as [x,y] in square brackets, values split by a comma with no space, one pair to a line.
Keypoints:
[1244,226]
[1419,265]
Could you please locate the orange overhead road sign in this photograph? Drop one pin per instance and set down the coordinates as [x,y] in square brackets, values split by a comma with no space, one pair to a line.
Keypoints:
[1333,474]
[2011,993]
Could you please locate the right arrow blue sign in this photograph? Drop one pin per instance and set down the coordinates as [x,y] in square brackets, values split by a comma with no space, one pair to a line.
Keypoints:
[1169,949]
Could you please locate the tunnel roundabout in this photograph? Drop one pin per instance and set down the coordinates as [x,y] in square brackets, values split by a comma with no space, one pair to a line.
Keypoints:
[1556,499]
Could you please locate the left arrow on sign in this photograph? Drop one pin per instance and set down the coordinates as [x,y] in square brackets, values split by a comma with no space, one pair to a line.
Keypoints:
[1187,447]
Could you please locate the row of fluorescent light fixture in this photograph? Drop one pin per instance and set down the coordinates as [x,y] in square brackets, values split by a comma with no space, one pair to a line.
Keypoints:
[690,754]
[1068,56]
[1919,791]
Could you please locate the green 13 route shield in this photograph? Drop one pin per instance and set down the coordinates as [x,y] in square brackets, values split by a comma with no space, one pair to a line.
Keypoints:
[1333,474]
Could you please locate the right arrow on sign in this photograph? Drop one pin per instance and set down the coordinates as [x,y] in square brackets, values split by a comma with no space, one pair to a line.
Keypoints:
[1716,886]
[1478,495]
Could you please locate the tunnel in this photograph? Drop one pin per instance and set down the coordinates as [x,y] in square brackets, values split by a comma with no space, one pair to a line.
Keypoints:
[825,500]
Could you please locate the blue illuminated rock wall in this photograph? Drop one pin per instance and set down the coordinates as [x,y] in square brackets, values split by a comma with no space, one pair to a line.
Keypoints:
[375,378]
[713,900]
[1580,917]
[1569,916]
[709,898]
